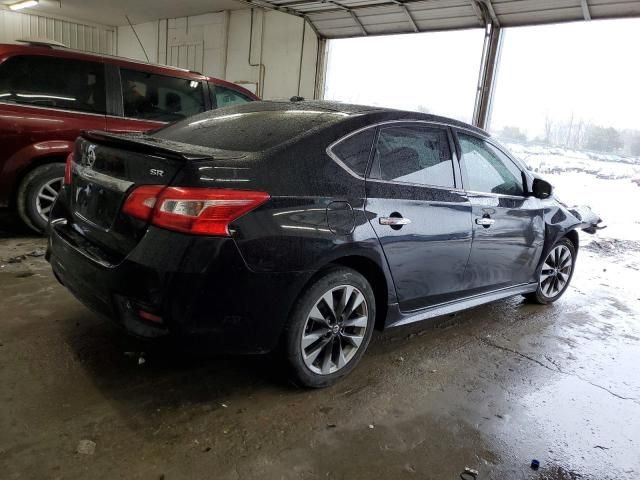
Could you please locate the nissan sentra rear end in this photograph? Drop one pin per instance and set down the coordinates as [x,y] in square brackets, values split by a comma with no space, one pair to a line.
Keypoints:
[120,231]
[159,231]
[143,234]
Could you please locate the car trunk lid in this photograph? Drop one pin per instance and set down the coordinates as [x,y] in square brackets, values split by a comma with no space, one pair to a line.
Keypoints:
[106,168]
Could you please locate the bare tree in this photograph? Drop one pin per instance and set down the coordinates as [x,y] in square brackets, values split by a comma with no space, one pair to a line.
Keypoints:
[569,128]
[548,127]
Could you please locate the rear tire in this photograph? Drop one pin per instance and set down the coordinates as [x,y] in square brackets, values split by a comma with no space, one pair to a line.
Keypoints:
[555,274]
[36,194]
[329,328]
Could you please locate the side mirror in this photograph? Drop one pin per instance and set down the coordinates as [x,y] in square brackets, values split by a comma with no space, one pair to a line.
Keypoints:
[541,188]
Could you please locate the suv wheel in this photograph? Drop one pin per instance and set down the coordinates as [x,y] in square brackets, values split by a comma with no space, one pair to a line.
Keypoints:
[37,193]
[556,273]
[330,327]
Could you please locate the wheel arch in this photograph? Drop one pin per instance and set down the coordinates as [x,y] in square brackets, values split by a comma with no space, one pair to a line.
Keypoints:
[35,163]
[375,276]
[366,267]
[574,238]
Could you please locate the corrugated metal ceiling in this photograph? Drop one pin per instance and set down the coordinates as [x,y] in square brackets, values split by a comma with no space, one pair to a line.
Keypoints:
[353,18]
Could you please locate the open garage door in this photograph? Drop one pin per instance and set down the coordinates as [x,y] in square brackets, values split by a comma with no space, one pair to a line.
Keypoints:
[353,18]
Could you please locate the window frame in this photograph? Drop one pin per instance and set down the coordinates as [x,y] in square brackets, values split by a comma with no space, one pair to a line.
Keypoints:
[329,151]
[421,125]
[524,176]
[457,174]
[59,109]
[334,156]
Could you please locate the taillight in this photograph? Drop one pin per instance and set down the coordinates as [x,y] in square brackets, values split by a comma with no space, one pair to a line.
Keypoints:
[141,201]
[68,168]
[202,211]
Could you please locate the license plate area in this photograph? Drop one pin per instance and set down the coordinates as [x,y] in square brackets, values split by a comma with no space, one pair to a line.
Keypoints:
[95,202]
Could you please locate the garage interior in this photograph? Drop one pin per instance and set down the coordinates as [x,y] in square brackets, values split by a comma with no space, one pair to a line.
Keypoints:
[488,389]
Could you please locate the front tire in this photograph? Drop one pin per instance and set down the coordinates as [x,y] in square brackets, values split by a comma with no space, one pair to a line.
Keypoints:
[329,327]
[37,192]
[556,273]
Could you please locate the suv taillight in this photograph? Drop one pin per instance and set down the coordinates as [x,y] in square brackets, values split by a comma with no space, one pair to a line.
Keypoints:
[202,211]
[68,167]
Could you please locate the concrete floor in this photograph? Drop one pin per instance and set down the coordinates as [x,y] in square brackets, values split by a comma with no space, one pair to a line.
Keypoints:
[490,389]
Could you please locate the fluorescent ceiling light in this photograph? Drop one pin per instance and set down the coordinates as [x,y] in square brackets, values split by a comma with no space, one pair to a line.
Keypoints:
[25,4]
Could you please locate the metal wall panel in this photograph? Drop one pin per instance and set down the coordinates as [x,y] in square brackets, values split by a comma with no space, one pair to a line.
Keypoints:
[188,55]
[90,38]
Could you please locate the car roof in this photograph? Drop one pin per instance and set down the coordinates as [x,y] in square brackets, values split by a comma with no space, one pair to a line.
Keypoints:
[12,48]
[374,113]
[7,49]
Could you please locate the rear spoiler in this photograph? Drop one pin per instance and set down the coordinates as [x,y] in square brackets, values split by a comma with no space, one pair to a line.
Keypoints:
[590,221]
[143,143]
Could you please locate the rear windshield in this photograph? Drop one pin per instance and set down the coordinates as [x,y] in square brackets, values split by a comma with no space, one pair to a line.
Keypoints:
[247,131]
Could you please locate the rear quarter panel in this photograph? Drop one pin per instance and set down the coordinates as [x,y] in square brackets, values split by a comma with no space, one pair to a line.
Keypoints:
[315,215]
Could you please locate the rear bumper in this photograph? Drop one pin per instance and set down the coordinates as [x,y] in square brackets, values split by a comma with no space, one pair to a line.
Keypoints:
[199,286]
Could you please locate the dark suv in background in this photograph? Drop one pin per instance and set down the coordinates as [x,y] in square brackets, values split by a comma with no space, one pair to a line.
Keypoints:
[49,94]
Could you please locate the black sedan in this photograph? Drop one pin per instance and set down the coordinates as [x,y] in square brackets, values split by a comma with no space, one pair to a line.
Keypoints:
[302,226]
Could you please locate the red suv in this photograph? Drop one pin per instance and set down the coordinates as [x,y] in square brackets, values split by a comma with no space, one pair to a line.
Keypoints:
[49,94]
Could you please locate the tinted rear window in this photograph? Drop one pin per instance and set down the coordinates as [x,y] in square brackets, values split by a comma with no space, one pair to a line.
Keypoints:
[160,97]
[247,131]
[226,96]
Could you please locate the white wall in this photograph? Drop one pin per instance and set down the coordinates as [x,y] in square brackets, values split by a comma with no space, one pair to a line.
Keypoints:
[128,45]
[82,36]
[217,44]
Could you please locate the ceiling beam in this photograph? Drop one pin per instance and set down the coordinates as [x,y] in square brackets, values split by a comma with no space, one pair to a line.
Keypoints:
[410,18]
[291,4]
[492,13]
[585,9]
[358,22]
[270,6]
[479,12]
[294,5]
[350,12]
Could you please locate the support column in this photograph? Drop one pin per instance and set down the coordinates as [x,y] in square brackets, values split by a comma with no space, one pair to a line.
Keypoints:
[487,76]
[321,69]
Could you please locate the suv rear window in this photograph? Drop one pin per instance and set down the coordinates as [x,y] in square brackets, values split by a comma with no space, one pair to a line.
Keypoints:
[246,131]
[226,96]
[53,82]
[148,96]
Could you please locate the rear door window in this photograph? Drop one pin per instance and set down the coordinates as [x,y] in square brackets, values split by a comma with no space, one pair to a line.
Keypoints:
[147,96]
[53,82]
[226,96]
[414,154]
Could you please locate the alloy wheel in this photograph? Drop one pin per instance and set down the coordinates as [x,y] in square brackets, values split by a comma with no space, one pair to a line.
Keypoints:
[334,329]
[46,196]
[556,271]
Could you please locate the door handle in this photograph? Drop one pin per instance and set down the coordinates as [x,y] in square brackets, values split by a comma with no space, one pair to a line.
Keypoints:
[485,222]
[394,221]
